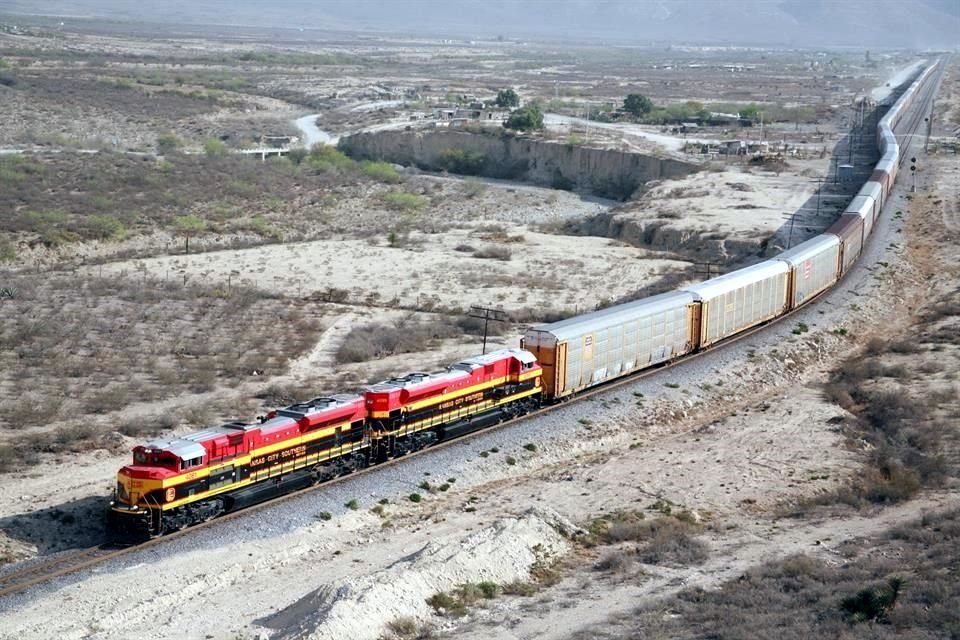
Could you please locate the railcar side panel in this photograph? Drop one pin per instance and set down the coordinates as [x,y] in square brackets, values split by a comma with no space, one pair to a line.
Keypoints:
[814,266]
[873,191]
[849,229]
[742,299]
[591,349]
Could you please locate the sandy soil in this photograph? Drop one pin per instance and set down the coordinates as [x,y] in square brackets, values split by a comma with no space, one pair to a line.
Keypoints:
[544,270]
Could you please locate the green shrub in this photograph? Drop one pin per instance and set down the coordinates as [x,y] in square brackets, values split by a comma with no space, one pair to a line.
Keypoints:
[214,148]
[872,604]
[415,497]
[168,143]
[446,604]
[103,227]
[382,171]
[404,200]
[528,118]
[324,515]
[352,504]
[462,161]
[328,159]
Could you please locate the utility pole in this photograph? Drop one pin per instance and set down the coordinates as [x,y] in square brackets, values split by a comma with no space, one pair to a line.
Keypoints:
[819,183]
[706,270]
[485,314]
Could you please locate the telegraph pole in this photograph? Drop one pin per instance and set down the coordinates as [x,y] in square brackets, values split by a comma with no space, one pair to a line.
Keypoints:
[706,269]
[486,314]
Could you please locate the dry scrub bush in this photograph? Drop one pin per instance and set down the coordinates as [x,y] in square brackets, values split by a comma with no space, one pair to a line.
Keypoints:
[898,585]
[906,438]
[73,345]
[494,253]
[407,336]
[407,628]
[70,197]
[666,539]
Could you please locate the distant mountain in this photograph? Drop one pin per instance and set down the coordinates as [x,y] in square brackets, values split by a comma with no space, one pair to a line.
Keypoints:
[873,24]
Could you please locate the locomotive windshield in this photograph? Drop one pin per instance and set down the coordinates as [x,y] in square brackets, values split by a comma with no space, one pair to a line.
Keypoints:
[157,459]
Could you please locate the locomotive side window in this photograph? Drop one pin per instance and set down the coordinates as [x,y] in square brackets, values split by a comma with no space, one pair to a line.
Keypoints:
[139,457]
[192,462]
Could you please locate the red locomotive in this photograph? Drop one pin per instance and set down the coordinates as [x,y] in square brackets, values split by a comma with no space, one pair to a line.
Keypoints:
[186,480]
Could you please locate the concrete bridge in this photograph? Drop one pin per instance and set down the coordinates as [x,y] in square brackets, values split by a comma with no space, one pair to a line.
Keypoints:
[265,152]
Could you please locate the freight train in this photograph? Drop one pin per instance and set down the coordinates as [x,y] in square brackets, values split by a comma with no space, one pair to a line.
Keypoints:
[179,482]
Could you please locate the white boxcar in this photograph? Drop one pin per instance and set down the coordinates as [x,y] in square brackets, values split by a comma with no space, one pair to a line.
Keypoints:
[587,350]
[741,299]
[814,266]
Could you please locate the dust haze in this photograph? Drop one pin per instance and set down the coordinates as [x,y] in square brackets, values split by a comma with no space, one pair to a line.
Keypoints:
[795,23]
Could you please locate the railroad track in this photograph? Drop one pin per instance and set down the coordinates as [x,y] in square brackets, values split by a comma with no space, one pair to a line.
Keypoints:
[61,564]
[64,564]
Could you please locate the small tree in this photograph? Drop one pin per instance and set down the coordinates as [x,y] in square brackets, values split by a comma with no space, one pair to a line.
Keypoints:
[528,118]
[750,112]
[508,99]
[214,147]
[189,226]
[637,104]
[167,143]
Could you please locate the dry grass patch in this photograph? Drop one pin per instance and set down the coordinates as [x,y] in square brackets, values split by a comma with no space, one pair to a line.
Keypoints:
[899,585]
[905,414]
[72,346]
[667,539]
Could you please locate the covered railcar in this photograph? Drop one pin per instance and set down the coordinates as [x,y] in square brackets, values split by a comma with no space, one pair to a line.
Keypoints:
[868,204]
[849,228]
[814,267]
[741,299]
[588,350]
[886,171]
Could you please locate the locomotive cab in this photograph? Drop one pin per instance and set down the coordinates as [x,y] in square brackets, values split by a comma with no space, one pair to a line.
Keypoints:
[139,489]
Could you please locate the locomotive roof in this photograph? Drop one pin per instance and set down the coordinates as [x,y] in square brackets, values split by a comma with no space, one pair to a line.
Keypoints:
[318,405]
[188,446]
[453,371]
[180,447]
[613,316]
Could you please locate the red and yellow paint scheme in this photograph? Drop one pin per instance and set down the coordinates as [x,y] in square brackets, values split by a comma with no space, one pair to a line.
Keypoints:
[181,481]
[504,382]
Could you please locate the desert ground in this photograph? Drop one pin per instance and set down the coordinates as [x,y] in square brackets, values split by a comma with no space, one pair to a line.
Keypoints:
[161,282]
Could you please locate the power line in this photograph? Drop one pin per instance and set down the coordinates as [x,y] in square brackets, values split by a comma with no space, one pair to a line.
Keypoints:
[486,314]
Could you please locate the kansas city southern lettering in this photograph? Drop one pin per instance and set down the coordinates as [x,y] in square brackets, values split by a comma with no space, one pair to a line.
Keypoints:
[278,457]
